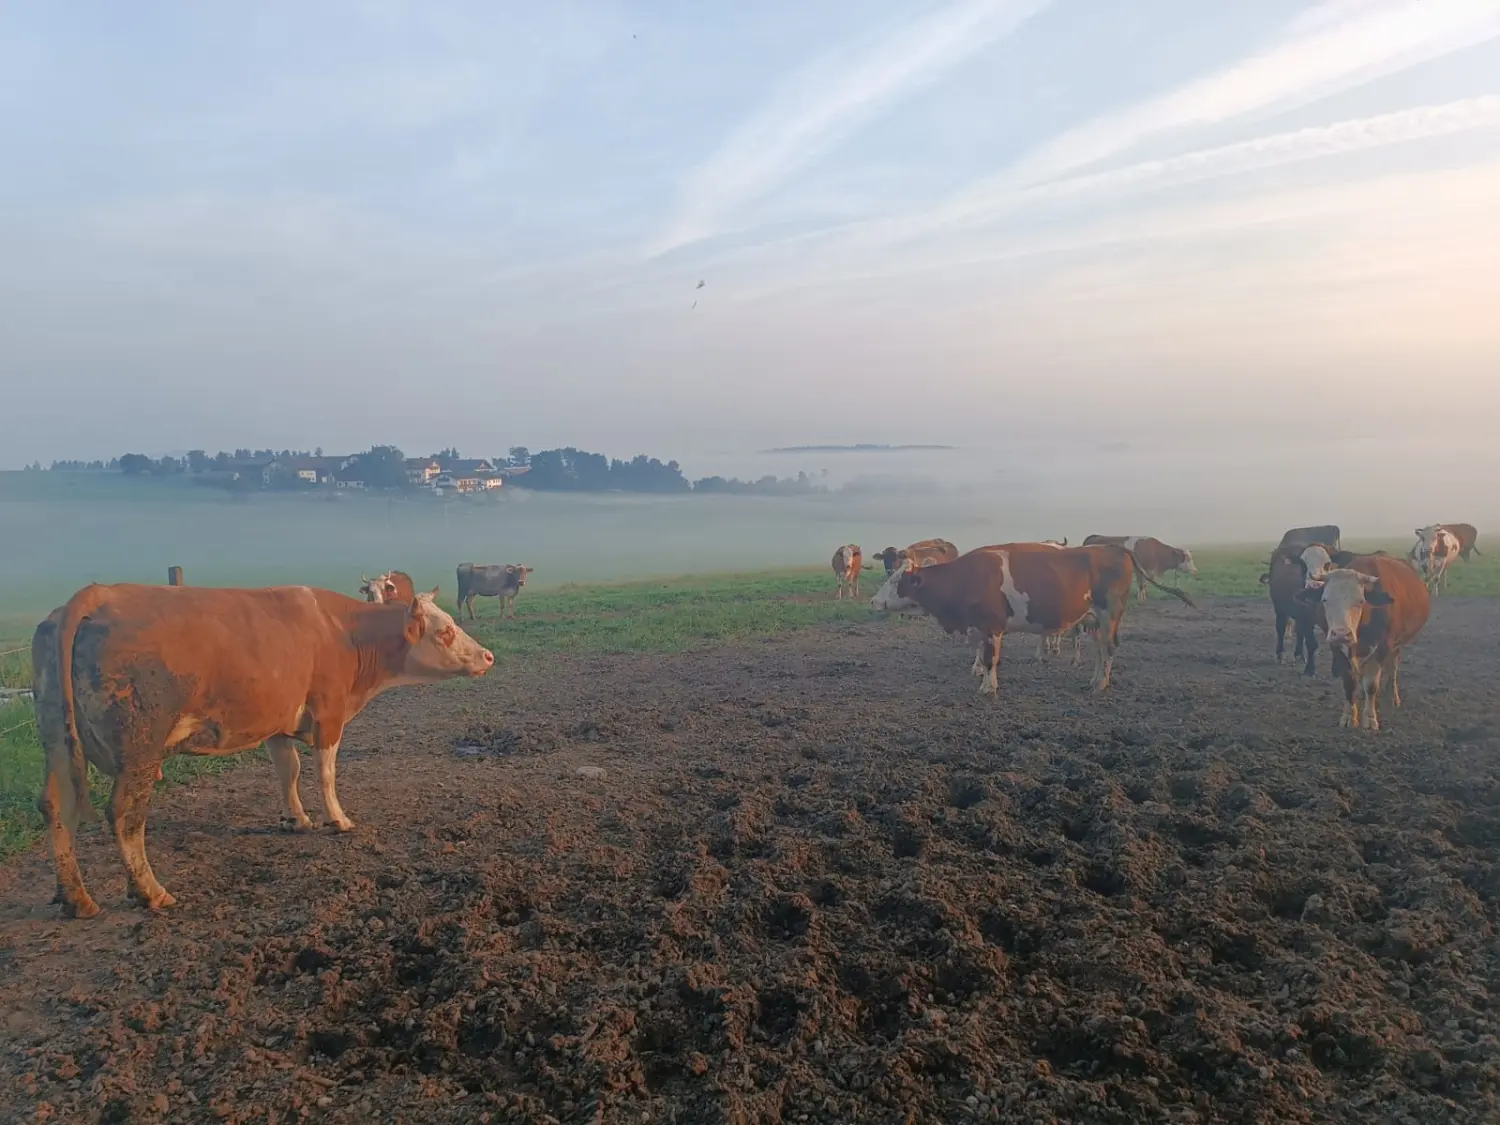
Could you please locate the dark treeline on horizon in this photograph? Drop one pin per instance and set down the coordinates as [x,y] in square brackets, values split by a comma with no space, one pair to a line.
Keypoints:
[386,467]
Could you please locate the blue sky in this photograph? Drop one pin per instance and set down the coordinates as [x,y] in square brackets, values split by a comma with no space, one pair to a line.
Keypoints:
[483,223]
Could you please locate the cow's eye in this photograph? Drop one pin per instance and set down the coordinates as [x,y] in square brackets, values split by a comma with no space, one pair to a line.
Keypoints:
[446,636]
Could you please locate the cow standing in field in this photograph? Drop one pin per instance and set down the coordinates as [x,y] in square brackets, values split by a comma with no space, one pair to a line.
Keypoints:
[1327,534]
[1291,570]
[490,581]
[128,675]
[1026,589]
[388,588]
[847,563]
[924,552]
[1468,538]
[1153,558]
[1051,643]
[1433,554]
[1374,607]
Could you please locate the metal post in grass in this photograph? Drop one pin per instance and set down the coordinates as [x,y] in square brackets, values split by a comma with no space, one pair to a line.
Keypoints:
[174,576]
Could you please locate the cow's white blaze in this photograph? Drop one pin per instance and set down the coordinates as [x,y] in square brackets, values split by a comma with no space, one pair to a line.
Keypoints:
[443,650]
[1187,566]
[1317,562]
[887,600]
[1344,601]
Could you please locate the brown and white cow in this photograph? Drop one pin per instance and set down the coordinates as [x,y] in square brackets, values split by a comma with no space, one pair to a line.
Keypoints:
[1374,607]
[390,587]
[1050,643]
[1434,552]
[924,552]
[1468,538]
[847,563]
[1029,589]
[1153,558]
[128,675]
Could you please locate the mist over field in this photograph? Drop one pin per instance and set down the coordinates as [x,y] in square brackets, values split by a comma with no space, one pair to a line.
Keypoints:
[60,530]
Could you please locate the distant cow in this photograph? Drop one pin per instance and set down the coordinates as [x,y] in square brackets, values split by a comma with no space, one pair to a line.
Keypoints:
[925,552]
[490,581]
[1433,554]
[1153,558]
[1293,570]
[388,588]
[1326,534]
[1030,589]
[1468,538]
[1374,607]
[847,563]
[129,675]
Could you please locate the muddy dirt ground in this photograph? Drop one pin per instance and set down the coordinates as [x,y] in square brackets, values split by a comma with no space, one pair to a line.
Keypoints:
[820,880]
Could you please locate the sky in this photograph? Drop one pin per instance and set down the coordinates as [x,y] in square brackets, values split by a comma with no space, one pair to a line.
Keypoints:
[1014,224]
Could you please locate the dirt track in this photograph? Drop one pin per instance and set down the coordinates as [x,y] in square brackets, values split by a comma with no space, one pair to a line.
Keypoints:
[822,880]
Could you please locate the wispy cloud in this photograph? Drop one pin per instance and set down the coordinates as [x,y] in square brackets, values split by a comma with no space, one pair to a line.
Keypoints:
[828,103]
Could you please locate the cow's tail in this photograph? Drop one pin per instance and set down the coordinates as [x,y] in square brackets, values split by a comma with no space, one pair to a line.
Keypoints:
[79,606]
[1180,595]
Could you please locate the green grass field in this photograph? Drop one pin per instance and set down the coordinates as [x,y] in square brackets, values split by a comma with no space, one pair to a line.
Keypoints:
[664,615]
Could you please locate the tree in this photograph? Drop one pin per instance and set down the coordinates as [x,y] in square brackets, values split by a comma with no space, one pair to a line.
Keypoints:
[135,464]
[382,466]
[519,457]
[197,460]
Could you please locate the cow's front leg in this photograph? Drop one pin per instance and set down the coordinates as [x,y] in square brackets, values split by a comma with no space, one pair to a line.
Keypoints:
[327,769]
[288,763]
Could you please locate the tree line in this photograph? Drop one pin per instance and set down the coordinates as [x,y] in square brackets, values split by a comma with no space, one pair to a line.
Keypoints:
[384,467]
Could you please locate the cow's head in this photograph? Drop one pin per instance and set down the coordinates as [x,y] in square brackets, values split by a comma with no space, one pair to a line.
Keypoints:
[1316,562]
[437,649]
[892,559]
[375,589]
[1185,563]
[520,573]
[1344,594]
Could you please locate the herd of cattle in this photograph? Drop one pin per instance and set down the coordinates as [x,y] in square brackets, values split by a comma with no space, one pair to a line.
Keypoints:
[1368,607]
[125,676]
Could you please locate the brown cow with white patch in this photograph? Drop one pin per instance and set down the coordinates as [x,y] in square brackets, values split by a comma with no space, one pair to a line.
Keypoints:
[388,588]
[1153,558]
[847,563]
[1027,589]
[129,675]
[924,552]
[1468,538]
[1374,606]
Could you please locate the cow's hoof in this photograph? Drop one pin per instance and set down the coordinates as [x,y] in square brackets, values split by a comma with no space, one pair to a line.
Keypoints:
[162,901]
[85,907]
[292,824]
[345,825]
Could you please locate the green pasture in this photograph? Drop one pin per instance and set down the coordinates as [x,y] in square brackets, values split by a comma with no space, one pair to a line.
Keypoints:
[663,615]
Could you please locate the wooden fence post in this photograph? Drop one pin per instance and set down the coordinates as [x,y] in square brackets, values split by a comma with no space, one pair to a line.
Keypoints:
[174,576]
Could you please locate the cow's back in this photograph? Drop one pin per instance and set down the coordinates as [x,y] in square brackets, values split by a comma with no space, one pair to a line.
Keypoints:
[1397,623]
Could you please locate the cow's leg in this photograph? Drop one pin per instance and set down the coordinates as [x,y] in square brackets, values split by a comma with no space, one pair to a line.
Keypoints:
[1396,677]
[1370,684]
[54,806]
[1140,584]
[990,684]
[1281,623]
[128,803]
[1349,717]
[288,763]
[327,770]
[1310,644]
[1107,639]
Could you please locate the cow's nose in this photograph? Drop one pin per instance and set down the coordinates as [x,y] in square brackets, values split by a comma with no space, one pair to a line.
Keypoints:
[1340,637]
[489,657]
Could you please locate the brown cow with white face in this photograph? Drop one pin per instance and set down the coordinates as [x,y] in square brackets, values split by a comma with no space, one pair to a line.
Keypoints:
[1153,558]
[128,675]
[388,588]
[1374,606]
[924,552]
[847,563]
[1029,589]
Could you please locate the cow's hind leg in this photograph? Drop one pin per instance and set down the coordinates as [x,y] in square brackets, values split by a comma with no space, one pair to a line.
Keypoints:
[55,807]
[990,684]
[327,769]
[128,803]
[288,765]
[1281,623]
[1396,677]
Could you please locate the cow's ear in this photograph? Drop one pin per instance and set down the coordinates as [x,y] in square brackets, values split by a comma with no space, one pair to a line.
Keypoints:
[433,593]
[1378,597]
[416,623]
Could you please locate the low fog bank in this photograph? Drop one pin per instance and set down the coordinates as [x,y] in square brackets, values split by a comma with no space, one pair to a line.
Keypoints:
[109,529]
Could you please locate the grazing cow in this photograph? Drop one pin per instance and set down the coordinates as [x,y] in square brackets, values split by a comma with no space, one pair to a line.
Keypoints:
[1327,534]
[1028,589]
[1374,607]
[1293,570]
[925,552]
[490,581]
[847,563]
[129,675]
[1468,538]
[1153,558]
[390,587]
[1433,554]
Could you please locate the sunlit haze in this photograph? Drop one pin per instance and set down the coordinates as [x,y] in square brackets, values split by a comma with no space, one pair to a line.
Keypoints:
[1249,247]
